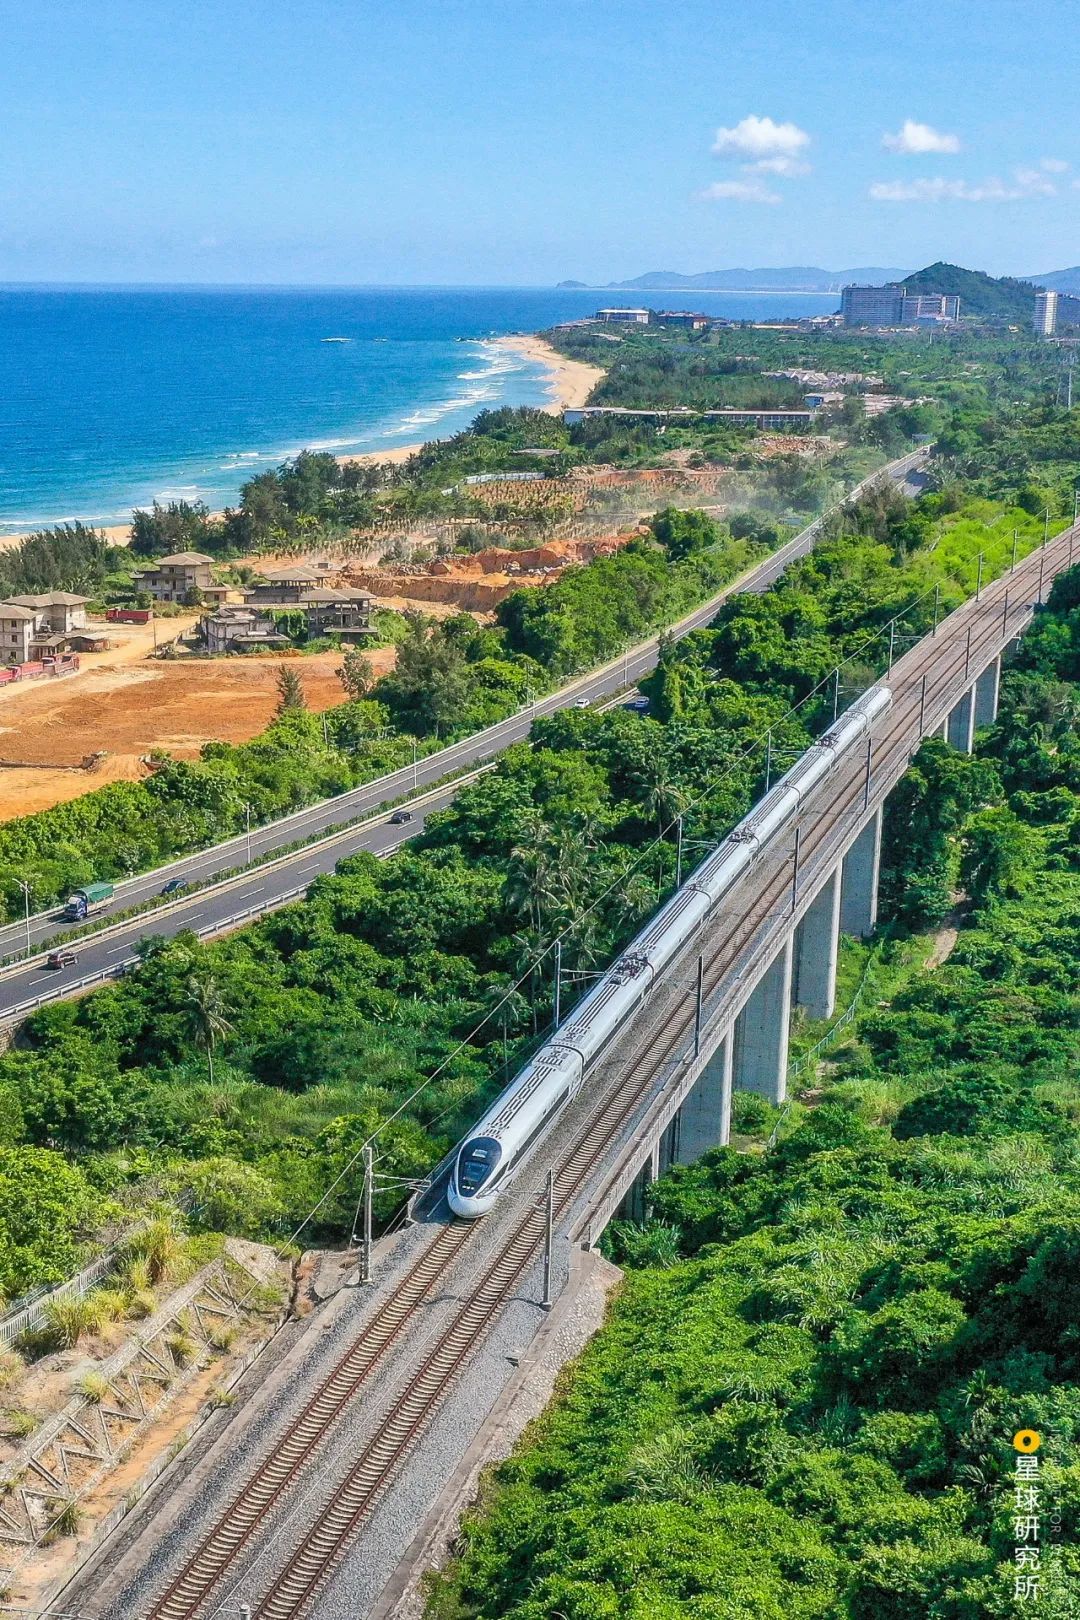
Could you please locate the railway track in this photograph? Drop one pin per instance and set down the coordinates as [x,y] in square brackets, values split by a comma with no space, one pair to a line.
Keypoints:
[248,1509]
[657,1038]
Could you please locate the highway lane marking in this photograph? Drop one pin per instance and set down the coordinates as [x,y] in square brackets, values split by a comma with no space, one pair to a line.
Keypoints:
[754,579]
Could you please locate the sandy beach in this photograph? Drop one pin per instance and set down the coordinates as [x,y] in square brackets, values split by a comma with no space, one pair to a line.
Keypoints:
[569,383]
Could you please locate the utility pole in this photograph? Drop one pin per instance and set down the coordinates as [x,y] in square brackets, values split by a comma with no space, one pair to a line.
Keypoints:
[967,653]
[937,606]
[866,785]
[365,1250]
[1046,525]
[558,982]
[768,759]
[1005,614]
[697,1009]
[978,578]
[836,694]
[678,853]
[892,642]
[25,887]
[922,706]
[414,781]
[247,830]
[1042,565]
[549,1228]
[1016,537]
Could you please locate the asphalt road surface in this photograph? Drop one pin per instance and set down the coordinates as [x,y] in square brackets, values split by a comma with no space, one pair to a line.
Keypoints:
[208,911]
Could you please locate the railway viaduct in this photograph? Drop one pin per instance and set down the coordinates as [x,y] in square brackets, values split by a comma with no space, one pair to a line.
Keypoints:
[789,933]
[319,1495]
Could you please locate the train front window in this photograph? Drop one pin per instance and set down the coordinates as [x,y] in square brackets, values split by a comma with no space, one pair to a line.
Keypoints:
[478,1162]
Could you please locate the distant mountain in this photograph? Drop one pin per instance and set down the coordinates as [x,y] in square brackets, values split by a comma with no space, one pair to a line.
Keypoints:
[794,278]
[575,285]
[980,294]
[1066,281]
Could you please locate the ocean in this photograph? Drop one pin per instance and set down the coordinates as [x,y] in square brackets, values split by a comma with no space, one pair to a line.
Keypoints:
[112,397]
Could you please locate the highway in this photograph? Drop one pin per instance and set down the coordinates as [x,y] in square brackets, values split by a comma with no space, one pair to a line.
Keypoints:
[343,825]
[345,1463]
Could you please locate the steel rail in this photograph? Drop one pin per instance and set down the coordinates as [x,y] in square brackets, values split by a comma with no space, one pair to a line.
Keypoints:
[261,1490]
[305,1572]
[318,1552]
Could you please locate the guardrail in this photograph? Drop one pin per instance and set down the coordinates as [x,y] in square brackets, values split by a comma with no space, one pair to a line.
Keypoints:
[116,970]
[404,773]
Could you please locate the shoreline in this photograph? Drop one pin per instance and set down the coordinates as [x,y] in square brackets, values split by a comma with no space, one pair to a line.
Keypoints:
[568,384]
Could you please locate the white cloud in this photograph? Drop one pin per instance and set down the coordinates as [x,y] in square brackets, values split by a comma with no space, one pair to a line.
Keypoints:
[1054,165]
[920,139]
[751,191]
[759,138]
[1024,183]
[788,167]
[1035,183]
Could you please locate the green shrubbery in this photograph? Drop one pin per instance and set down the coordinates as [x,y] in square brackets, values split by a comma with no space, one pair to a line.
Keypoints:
[812,1414]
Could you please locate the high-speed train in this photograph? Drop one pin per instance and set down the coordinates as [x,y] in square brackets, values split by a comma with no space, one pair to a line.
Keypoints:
[489,1156]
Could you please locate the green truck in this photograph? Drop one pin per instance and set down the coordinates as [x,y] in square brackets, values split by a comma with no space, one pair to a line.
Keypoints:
[82,902]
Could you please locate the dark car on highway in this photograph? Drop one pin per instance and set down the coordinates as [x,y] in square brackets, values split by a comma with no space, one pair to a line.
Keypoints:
[400,817]
[175,886]
[60,959]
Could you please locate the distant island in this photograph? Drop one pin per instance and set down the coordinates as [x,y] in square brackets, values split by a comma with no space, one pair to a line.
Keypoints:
[982,294]
[793,278]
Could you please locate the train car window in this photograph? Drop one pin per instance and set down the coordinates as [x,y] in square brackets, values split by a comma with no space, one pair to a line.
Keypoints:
[477,1164]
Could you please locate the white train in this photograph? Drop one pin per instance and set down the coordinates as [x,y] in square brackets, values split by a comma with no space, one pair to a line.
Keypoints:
[487,1159]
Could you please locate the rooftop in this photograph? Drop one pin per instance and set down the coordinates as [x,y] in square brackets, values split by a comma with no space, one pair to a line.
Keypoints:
[303,573]
[313,598]
[179,559]
[12,610]
[51,599]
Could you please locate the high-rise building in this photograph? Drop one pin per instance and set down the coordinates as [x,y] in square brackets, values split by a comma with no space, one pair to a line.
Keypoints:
[893,305]
[929,307]
[1046,312]
[872,306]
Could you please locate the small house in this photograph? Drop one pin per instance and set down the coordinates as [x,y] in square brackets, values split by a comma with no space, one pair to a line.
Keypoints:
[175,578]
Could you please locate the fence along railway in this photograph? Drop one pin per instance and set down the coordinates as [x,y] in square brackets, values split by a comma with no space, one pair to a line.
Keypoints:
[660,1092]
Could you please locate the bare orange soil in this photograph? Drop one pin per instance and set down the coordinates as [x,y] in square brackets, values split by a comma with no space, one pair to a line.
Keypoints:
[478,583]
[125,709]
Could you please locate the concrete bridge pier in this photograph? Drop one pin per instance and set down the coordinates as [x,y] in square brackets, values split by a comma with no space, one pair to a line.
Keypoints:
[960,726]
[859,882]
[817,941]
[705,1115]
[635,1206]
[987,688]
[761,1031]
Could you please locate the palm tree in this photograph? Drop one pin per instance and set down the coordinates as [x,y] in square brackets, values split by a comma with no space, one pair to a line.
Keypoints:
[529,879]
[664,798]
[206,1013]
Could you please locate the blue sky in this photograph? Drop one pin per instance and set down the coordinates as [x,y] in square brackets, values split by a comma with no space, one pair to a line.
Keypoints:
[523,141]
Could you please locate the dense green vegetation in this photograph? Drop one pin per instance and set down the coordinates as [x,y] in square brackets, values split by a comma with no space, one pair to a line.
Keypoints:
[1001,297]
[810,1414]
[450,679]
[70,557]
[252,1068]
